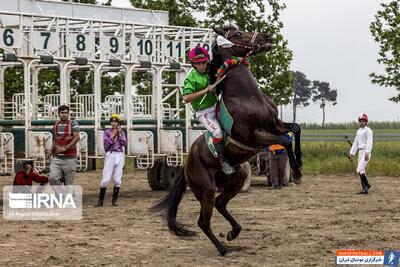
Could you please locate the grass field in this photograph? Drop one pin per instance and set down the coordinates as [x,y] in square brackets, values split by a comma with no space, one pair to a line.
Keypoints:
[327,157]
[386,126]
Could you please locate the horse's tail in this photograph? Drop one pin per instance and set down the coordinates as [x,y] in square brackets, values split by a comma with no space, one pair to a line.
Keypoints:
[169,205]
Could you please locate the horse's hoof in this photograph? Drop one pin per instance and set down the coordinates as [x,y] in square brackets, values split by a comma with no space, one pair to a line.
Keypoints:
[229,236]
[232,235]
[297,178]
[222,251]
[297,181]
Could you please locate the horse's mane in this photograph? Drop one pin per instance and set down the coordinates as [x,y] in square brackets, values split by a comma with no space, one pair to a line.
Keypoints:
[230,28]
[217,61]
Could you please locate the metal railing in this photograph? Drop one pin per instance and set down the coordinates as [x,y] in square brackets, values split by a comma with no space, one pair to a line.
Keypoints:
[6,153]
[141,106]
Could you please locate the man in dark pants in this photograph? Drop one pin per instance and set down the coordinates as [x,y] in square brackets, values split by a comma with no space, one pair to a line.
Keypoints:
[277,165]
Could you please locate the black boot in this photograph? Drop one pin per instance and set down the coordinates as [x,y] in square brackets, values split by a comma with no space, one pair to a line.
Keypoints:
[115,196]
[101,197]
[366,186]
[226,167]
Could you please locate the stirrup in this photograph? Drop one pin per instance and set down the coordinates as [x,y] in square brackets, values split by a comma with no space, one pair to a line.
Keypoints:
[227,168]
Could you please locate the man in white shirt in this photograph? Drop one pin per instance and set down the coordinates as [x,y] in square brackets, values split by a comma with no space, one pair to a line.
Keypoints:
[362,143]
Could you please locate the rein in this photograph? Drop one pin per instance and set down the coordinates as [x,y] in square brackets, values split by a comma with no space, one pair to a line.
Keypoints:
[229,63]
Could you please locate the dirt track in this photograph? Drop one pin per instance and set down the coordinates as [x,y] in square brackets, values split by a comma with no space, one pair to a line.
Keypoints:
[299,226]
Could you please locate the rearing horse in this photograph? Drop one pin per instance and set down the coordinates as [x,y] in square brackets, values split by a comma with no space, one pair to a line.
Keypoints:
[256,125]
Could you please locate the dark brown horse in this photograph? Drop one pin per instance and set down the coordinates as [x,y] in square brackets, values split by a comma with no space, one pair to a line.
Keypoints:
[256,124]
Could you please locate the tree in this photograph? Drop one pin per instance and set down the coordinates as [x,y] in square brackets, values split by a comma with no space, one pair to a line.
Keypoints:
[325,94]
[386,31]
[271,70]
[302,91]
[180,13]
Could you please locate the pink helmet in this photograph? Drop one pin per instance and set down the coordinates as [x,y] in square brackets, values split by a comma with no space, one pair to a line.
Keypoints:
[198,54]
[363,117]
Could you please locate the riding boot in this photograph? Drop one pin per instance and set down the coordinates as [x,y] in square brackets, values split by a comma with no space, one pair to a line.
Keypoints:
[115,196]
[363,185]
[101,197]
[367,186]
[226,167]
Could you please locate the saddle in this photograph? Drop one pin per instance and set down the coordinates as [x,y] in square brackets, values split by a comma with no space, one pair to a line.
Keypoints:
[226,122]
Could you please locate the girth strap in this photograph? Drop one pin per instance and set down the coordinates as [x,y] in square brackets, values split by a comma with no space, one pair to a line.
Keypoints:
[243,146]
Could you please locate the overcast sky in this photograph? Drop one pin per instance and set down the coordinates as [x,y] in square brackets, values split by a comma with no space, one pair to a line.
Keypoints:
[331,42]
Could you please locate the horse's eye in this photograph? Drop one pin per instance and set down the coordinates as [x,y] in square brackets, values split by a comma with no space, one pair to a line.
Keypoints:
[238,34]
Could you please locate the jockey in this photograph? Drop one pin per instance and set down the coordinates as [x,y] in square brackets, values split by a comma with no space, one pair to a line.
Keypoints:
[201,96]
[363,145]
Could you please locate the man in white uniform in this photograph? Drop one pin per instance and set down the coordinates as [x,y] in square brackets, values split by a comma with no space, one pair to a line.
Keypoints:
[362,143]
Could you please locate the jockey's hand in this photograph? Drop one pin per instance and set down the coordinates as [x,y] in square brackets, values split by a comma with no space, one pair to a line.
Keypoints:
[210,89]
[366,156]
[351,157]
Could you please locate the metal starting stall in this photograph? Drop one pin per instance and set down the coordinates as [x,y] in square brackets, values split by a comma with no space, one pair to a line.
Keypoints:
[136,44]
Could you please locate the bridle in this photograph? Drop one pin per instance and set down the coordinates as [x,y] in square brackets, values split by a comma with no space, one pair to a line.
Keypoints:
[252,46]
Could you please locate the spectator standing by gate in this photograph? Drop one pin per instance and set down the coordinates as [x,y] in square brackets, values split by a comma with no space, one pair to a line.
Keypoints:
[63,151]
[277,165]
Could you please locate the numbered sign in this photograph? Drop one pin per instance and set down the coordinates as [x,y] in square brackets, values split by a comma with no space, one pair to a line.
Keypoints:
[10,38]
[207,46]
[112,45]
[174,49]
[144,48]
[80,42]
[47,41]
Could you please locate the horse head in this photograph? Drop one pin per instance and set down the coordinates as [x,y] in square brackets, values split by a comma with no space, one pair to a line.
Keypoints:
[240,44]
[230,42]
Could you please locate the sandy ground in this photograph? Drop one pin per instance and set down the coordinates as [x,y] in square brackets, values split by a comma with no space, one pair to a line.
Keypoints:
[298,226]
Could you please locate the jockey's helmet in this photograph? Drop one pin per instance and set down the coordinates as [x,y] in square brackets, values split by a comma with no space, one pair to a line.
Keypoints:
[115,117]
[363,117]
[198,54]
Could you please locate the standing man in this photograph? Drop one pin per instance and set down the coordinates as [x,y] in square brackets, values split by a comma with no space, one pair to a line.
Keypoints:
[114,140]
[362,143]
[63,162]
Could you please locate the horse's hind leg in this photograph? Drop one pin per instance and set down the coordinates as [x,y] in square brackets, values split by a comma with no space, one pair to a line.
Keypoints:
[206,199]
[231,189]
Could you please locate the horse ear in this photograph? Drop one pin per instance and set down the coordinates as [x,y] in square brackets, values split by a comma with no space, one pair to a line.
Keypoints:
[219,31]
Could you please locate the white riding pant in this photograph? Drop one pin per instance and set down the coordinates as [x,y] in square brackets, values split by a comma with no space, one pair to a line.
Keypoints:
[113,163]
[362,163]
[209,120]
